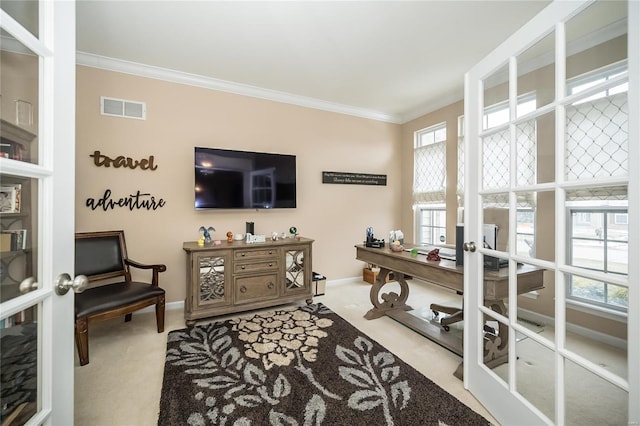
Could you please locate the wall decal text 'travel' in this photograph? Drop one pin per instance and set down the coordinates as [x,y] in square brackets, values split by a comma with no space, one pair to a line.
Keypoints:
[133,201]
[100,159]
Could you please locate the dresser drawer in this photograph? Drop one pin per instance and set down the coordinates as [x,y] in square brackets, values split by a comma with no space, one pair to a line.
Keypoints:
[248,289]
[255,253]
[256,266]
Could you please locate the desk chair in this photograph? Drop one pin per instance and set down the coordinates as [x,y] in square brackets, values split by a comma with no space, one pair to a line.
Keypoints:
[455,314]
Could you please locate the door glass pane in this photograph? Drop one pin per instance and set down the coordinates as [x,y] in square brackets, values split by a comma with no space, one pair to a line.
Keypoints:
[596,38]
[535,373]
[591,400]
[535,225]
[495,160]
[18,238]
[19,366]
[25,12]
[496,98]
[535,298]
[535,150]
[18,97]
[597,138]
[536,75]
[496,342]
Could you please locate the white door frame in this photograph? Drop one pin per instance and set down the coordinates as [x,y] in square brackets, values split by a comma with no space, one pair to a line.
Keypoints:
[502,401]
[55,175]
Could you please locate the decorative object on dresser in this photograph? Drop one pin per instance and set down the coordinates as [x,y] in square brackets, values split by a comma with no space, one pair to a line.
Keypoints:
[206,233]
[296,366]
[102,257]
[241,276]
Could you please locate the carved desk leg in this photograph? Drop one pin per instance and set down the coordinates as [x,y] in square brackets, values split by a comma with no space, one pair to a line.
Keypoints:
[390,301]
[496,348]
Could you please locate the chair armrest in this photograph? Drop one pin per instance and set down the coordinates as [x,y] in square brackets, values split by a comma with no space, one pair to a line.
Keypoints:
[157,268]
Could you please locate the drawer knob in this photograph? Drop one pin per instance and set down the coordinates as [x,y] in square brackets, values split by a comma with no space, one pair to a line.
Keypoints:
[243,289]
[270,285]
[243,254]
[242,267]
[271,264]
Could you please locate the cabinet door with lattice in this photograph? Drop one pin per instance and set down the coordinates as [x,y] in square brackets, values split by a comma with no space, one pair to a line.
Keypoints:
[212,269]
[297,269]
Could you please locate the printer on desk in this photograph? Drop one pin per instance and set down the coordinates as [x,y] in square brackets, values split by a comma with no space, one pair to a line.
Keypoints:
[371,241]
[490,237]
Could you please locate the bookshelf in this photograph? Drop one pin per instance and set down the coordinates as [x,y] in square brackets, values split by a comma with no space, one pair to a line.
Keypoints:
[17,207]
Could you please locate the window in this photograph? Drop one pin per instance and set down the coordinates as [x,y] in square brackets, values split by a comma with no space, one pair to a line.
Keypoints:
[586,81]
[498,114]
[429,171]
[600,243]
[525,232]
[460,186]
[597,225]
[431,224]
[429,183]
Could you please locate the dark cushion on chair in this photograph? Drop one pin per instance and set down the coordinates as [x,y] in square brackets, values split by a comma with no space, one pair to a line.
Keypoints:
[113,296]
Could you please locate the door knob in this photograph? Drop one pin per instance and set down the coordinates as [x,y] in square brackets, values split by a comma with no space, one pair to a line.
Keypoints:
[469,246]
[27,285]
[64,282]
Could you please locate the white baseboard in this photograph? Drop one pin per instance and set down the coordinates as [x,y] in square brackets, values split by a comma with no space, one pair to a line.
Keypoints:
[582,331]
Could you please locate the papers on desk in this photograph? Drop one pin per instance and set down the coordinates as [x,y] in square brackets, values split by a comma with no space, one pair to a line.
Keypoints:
[445,253]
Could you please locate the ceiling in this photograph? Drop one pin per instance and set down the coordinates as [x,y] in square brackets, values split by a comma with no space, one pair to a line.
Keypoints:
[387,60]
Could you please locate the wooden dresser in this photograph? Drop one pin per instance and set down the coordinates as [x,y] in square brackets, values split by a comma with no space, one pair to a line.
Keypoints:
[239,276]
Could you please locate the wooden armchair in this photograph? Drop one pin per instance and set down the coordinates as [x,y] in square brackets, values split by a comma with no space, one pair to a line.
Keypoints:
[102,256]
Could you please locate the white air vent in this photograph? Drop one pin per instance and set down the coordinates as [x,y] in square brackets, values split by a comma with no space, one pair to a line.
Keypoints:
[123,108]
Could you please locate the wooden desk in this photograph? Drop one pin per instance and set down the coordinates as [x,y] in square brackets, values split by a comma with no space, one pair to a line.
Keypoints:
[446,274]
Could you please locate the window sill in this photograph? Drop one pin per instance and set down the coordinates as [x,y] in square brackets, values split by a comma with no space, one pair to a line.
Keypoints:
[597,311]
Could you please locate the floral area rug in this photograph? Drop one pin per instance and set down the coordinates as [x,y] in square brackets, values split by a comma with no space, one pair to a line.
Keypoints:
[296,366]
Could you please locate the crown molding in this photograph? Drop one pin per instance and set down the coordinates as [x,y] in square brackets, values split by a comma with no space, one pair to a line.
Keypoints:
[158,73]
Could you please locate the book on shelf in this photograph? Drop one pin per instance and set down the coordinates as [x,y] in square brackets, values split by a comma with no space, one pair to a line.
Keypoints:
[13,240]
[10,198]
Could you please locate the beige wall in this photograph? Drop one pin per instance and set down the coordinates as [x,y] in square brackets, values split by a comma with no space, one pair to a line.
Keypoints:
[180,117]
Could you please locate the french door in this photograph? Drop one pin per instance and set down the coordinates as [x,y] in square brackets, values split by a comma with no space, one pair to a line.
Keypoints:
[551,120]
[37,152]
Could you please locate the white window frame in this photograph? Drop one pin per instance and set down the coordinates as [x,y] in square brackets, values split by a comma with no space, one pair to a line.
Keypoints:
[576,85]
[430,209]
[431,143]
[608,211]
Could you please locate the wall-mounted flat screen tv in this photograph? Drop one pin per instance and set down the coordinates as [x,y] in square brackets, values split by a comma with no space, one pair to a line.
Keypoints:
[229,179]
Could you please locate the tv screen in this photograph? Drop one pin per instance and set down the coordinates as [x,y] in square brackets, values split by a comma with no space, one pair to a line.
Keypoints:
[229,179]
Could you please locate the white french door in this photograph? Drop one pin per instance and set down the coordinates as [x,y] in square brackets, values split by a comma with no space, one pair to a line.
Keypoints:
[557,166]
[37,157]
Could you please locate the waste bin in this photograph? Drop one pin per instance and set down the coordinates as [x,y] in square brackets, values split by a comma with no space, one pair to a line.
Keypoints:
[319,283]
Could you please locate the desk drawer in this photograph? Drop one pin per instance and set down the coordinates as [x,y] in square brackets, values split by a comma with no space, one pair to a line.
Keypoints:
[255,253]
[249,289]
[260,266]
